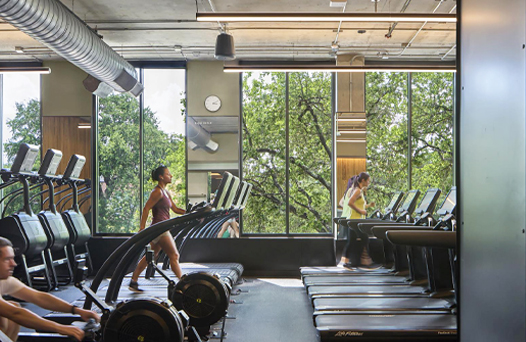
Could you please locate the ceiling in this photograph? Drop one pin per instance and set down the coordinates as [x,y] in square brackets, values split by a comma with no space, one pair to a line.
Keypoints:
[166,30]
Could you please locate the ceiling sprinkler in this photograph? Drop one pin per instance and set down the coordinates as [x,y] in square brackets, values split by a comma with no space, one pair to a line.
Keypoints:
[383,55]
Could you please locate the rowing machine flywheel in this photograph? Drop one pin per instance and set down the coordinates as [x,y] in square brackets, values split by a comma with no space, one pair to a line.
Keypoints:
[145,320]
[203,296]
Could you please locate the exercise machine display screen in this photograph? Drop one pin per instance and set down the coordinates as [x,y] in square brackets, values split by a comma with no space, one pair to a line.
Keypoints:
[25,158]
[240,194]
[408,200]
[450,202]
[219,199]
[245,196]
[394,200]
[50,163]
[426,201]
[234,185]
[75,166]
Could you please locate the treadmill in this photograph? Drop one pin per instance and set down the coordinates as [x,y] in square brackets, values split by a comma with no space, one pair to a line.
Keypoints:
[397,304]
[357,288]
[407,206]
[380,325]
[427,205]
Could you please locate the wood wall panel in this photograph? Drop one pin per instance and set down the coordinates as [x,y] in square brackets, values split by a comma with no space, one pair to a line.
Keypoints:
[62,133]
[345,169]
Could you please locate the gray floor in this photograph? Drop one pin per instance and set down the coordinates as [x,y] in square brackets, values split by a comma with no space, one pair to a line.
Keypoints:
[272,310]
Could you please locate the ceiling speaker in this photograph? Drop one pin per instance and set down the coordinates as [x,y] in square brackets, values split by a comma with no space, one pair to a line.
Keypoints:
[225,49]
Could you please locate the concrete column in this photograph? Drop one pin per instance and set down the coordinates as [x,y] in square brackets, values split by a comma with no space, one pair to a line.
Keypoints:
[205,78]
[350,101]
[350,87]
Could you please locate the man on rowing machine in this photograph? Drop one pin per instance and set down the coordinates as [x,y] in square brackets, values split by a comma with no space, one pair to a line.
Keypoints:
[12,315]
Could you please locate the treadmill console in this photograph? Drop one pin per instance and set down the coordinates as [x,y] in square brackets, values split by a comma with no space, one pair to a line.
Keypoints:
[220,197]
[50,163]
[395,201]
[450,203]
[75,166]
[245,196]
[409,201]
[428,203]
[240,193]
[234,185]
[25,158]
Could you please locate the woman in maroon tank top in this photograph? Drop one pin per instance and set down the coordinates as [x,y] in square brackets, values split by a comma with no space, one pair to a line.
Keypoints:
[160,203]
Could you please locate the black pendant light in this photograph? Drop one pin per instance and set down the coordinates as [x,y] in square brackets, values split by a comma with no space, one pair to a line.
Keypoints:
[225,49]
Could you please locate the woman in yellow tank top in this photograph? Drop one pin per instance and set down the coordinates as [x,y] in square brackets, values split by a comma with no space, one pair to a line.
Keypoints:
[355,200]
[359,203]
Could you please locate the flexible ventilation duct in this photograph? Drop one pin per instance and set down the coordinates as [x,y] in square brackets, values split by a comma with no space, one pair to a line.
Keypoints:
[198,137]
[52,24]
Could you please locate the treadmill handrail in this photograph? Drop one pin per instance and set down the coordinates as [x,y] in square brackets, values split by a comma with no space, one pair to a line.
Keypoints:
[132,255]
[367,228]
[140,239]
[430,238]
[380,231]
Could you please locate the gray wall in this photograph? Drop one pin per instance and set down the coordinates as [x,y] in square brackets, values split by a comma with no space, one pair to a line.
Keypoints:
[63,93]
[492,177]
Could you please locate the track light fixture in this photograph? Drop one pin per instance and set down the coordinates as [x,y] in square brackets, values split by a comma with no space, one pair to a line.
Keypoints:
[326,17]
[337,68]
[34,70]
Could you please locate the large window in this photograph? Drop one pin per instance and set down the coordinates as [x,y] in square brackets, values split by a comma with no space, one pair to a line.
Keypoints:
[387,142]
[429,106]
[121,123]
[164,129]
[310,152]
[20,113]
[20,119]
[432,132]
[264,152]
[119,164]
[287,152]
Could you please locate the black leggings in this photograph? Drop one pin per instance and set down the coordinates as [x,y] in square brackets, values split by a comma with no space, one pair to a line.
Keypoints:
[354,247]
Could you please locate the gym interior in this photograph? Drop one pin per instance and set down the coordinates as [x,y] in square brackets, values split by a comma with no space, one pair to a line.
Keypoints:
[262,111]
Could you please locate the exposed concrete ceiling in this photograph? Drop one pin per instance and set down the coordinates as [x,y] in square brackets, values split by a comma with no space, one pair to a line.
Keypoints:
[167,30]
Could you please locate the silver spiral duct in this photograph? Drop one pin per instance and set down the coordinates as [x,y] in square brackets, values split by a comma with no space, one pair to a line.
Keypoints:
[198,137]
[52,24]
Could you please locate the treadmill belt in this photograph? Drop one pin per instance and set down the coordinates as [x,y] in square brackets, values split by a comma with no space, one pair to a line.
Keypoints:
[225,275]
[230,265]
[342,280]
[364,290]
[357,327]
[383,304]
[340,270]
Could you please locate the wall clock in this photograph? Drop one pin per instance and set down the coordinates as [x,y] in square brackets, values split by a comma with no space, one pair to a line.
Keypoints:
[212,103]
